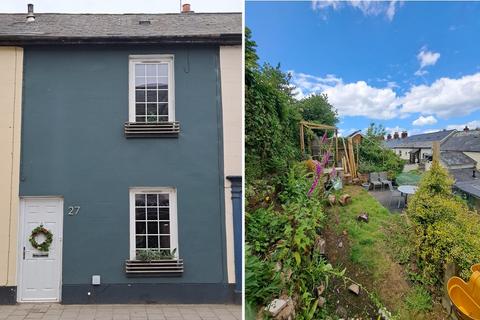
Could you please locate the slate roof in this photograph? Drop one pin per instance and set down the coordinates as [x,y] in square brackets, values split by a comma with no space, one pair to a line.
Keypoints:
[111,28]
[464,181]
[424,140]
[465,141]
[456,158]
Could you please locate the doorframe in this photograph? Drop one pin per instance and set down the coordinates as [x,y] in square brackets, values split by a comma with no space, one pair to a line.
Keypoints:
[20,230]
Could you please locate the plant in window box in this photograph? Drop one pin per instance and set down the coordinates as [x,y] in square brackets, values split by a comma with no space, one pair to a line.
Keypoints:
[150,255]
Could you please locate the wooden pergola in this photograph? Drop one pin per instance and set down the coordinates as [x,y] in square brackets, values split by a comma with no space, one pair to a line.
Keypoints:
[313,126]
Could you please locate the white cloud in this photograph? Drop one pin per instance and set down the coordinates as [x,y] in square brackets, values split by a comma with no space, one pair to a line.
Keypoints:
[445,97]
[426,58]
[471,125]
[368,8]
[423,121]
[420,72]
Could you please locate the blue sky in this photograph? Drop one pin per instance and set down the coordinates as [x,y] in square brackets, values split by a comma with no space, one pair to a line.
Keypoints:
[408,65]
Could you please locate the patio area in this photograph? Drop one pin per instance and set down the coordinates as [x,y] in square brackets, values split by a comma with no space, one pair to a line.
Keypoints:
[385,198]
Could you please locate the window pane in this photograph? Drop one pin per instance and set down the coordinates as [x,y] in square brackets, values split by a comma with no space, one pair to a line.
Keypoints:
[163,199]
[152,227]
[152,200]
[163,214]
[163,83]
[140,213]
[163,118]
[140,82]
[152,109]
[153,241]
[140,109]
[140,227]
[163,109]
[152,213]
[140,199]
[164,228]
[140,119]
[162,96]
[152,119]
[139,69]
[152,95]
[151,70]
[141,241]
[164,241]
[163,70]
[152,83]
[140,96]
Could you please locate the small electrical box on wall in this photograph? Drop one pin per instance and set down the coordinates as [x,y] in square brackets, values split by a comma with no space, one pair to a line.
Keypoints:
[96,280]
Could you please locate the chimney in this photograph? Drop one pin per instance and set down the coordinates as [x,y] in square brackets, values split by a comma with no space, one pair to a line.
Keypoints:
[389,136]
[395,135]
[186,8]
[466,129]
[30,15]
[404,134]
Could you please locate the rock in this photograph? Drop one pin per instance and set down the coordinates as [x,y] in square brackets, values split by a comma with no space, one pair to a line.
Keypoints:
[340,244]
[345,232]
[354,288]
[276,306]
[345,199]
[341,312]
[363,217]
[288,312]
[321,301]
[332,199]
[320,245]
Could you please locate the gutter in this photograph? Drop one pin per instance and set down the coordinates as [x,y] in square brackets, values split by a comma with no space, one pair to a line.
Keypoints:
[215,39]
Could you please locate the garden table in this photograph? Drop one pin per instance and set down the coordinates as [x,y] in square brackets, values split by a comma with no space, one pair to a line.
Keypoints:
[407,189]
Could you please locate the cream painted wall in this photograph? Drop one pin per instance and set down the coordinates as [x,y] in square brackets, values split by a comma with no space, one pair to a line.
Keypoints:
[232,97]
[475,156]
[11,71]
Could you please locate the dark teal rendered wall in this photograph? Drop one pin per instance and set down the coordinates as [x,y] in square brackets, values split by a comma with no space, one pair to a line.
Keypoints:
[75,102]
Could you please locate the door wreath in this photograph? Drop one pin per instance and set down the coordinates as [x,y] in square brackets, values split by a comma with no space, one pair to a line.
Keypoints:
[45,245]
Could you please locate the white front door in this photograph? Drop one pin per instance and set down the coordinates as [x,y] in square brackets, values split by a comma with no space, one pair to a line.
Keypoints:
[40,272]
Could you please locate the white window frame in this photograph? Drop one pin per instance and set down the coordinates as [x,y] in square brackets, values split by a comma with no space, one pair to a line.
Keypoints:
[173,216]
[151,58]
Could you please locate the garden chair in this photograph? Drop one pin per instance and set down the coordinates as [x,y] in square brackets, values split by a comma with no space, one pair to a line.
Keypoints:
[394,194]
[384,179]
[374,180]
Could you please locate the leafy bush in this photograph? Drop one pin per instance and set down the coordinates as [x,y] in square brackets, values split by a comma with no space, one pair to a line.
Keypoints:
[261,282]
[264,227]
[374,157]
[446,230]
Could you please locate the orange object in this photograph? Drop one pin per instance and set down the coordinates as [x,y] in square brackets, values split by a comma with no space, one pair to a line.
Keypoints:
[465,296]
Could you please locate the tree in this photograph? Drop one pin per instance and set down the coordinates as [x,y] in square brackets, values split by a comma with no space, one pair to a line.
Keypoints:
[316,108]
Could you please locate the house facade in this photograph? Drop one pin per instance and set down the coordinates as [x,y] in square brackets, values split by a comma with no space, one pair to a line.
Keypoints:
[123,164]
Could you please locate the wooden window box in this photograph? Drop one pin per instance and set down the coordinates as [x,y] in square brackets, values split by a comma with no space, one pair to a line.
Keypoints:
[152,129]
[155,268]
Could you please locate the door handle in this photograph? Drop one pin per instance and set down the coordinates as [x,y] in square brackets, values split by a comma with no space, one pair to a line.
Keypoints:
[23,253]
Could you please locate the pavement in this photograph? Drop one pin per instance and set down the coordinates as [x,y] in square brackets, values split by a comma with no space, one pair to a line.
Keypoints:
[121,312]
[384,197]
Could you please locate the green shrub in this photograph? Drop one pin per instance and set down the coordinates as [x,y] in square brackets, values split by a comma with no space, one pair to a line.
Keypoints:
[261,280]
[419,300]
[264,227]
[446,230]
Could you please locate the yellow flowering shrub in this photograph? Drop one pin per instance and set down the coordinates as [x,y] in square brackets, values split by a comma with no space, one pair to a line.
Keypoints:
[446,230]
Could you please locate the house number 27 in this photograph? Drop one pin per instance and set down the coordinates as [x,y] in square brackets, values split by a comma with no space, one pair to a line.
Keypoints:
[73,210]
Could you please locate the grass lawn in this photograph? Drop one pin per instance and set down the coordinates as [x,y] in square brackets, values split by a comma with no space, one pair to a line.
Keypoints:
[375,252]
